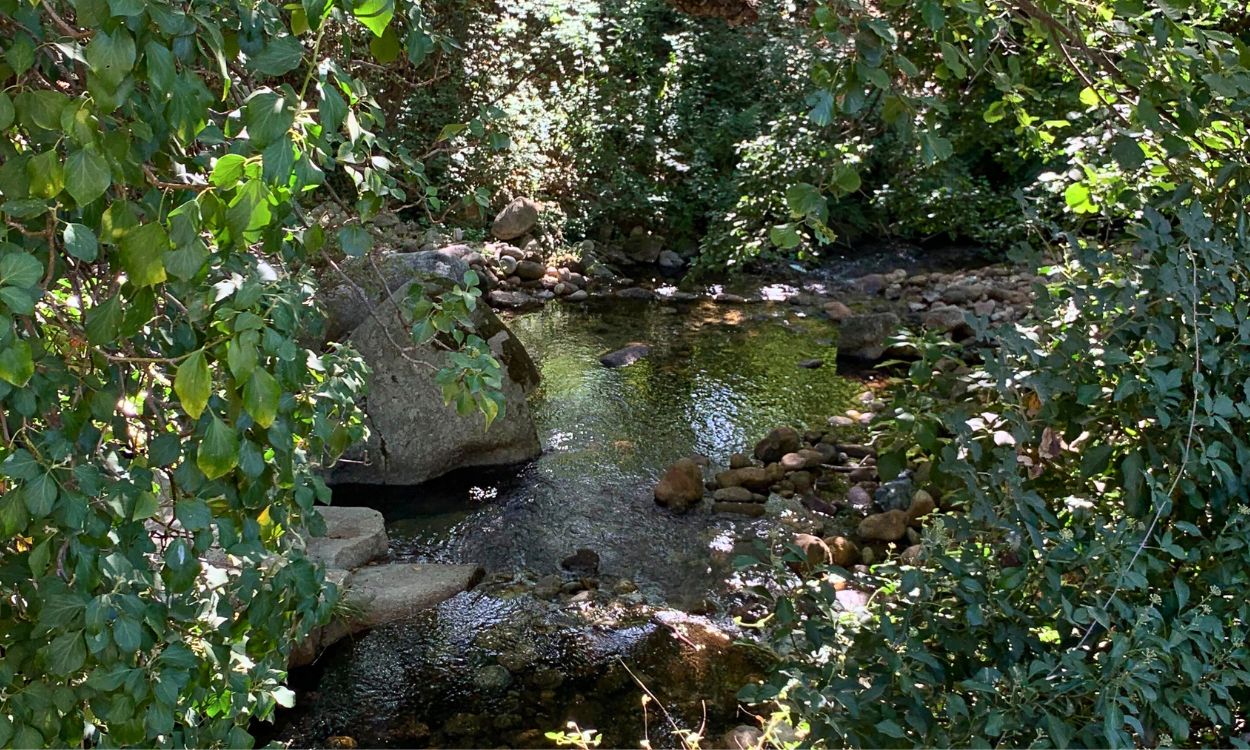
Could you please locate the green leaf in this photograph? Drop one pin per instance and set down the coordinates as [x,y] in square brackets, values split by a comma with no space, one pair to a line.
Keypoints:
[847,179]
[806,200]
[279,57]
[194,384]
[47,174]
[21,53]
[1128,153]
[784,236]
[67,653]
[111,56]
[40,495]
[386,48]
[146,506]
[1077,197]
[86,175]
[890,464]
[20,270]
[194,515]
[268,118]
[19,301]
[104,321]
[80,242]
[227,171]
[16,363]
[143,253]
[7,113]
[241,355]
[260,397]
[218,453]
[127,633]
[355,240]
[375,14]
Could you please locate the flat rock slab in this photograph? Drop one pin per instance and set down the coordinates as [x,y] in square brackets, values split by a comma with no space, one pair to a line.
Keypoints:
[354,537]
[387,593]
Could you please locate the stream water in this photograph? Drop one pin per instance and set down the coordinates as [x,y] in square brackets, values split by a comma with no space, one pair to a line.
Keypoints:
[717,379]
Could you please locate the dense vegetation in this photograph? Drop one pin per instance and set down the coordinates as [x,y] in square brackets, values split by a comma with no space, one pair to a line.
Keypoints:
[165,411]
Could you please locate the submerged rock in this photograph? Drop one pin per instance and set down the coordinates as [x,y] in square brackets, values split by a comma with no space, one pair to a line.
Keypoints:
[625,356]
[582,562]
[867,336]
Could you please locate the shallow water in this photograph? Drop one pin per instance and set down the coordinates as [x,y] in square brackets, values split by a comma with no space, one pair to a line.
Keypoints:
[717,379]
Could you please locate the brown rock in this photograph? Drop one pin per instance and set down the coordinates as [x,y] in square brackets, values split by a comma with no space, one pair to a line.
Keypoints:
[743,509]
[912,554]
[751,477]
[922,504]
[884,527]
[739,461]
[837,311]
[843,551]
[814,548]
[777,443]
[681,486]
[734,495]
[859,498]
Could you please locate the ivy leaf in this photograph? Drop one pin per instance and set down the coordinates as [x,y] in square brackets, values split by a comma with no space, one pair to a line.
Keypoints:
[355,240]
[375,14]
[7,112]
[127,633]
[227,171]
[260,397]
[20,270]
[86,175]
[806,200]
[143,254]
[218,453]
[40,495]
[80,242]
[17,364]
[194,384]
[47,174]
[1128,153]
[146,506]
[67,653]
[241,355]
[193,514]
[104,321]
[279,57]
[111,56]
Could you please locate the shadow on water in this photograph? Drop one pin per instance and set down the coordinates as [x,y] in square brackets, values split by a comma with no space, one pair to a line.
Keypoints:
[716,380]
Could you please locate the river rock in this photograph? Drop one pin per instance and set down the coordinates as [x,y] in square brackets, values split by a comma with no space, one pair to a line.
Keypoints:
[636,292]
[804,458]
[512,300]
[854,450]
[963,293]
[811,364]
[733,495]
[912,555]
[625,356]
[836,311]
[581,295]
[516,219]
[858,498]
[922,504]
[528,270]
[814,549]
[895,494]
[867,337]
[414,435]
[583,562]
[670,259]
[354,537]
[739,461]
[751,477]
[946,319]
[387,593]
[507,265]
[742,737]
[681,486]
[884,527]
[754,510]
[777,443]
[641,247]
[842,551]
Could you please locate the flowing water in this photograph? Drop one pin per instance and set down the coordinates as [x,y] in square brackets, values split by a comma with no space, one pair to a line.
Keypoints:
[717,379]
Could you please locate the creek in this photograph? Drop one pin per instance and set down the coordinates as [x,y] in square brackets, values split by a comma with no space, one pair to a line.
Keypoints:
[500,665]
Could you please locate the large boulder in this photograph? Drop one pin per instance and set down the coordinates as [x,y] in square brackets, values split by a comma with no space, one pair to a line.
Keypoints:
[414,435]
[354,537]
[867,337]
[516,219]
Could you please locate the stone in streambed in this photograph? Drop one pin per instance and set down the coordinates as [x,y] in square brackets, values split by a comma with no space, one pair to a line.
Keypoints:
[354,536]
[582,562]
[625,356]
[751,477]
[777,443]
[884,527]
[843,551]
[734,495]
[681,486]
[922,504]
[739,461]
[517,218]
[805,458]
[743,509]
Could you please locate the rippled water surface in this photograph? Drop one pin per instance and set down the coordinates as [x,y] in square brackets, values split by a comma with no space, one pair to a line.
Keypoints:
[718,378]
[483,670]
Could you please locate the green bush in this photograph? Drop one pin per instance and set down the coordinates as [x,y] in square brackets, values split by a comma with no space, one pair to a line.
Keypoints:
[1084,584]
